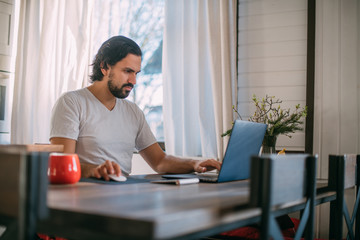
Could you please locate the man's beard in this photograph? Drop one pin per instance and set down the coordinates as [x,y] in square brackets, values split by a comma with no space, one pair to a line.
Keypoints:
[118,92]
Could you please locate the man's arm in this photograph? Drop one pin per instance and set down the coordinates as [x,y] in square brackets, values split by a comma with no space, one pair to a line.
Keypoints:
[88,169]
[163,163]
[69,144]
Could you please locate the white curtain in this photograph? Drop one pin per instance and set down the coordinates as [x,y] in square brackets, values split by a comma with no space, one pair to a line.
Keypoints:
[199,72]
[52,58]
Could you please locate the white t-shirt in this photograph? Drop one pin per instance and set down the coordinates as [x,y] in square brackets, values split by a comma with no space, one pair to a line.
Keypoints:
[101,134]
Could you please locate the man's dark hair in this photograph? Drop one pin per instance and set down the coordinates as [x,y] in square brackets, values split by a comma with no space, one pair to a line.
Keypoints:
[112,51]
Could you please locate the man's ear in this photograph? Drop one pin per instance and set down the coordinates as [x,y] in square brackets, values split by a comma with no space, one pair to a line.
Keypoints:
[103,70]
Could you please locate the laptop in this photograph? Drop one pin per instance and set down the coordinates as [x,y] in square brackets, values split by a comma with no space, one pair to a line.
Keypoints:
[245,141]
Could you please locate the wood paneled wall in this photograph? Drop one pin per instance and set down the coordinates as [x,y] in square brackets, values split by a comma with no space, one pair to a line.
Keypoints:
[272,60]
[337,80]
[272,57]
[337,88]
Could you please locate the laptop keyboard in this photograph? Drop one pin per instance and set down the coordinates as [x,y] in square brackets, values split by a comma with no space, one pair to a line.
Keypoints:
[208,176]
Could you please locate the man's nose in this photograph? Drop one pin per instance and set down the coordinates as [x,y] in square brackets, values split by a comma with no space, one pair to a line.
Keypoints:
[132,78]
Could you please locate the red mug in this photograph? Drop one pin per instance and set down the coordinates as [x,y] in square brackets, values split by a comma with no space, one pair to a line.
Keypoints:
[64,168]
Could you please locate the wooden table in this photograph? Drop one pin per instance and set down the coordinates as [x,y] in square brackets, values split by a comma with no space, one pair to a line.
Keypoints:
[26,148]
[151,211]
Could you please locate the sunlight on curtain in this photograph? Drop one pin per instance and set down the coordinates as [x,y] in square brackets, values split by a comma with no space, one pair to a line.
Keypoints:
[52,58]
[199,72]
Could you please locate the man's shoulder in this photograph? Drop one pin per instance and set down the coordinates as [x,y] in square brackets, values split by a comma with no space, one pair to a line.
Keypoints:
[75,94]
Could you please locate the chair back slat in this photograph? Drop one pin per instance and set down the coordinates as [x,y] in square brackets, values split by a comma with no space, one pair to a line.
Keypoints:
[350,171]
[342,165]
[288,178]
[11,170]
[288,183]
[23,189]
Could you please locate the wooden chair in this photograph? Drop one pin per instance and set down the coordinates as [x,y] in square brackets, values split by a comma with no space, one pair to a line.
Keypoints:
[344,173]
[283,180]
[23,188]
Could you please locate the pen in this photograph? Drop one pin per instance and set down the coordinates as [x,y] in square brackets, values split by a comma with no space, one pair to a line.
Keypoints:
[187,181]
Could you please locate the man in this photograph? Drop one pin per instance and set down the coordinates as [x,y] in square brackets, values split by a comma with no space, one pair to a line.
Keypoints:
[103,128]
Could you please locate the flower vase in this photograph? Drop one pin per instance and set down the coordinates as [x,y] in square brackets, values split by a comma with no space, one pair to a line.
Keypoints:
[268,145]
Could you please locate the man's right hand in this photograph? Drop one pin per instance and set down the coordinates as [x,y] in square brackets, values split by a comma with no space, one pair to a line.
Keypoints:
[103,170]
[87,169]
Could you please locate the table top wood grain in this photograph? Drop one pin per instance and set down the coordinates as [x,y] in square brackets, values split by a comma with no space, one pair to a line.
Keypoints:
[166,210]
[147,210]
[25,148]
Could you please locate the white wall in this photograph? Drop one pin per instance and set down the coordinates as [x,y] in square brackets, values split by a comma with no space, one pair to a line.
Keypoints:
[337,80]
[337,101]
[272,57]
[272,60]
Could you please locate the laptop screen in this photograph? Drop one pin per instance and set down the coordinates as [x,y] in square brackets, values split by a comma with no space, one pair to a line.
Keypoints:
[245,141]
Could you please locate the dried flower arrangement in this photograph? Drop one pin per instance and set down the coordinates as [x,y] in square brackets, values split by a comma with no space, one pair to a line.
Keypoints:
[280,121]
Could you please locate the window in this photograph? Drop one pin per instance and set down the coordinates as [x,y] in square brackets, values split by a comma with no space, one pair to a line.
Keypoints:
[142,21]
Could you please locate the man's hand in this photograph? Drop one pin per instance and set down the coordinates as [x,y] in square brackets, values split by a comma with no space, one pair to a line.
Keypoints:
[103,170]
[206,165]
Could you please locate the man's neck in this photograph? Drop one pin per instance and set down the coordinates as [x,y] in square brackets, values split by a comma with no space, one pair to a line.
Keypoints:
[103,94]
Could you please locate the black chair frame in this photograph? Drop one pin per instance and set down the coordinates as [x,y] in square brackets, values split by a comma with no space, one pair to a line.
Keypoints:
[338,208]
[269,226]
